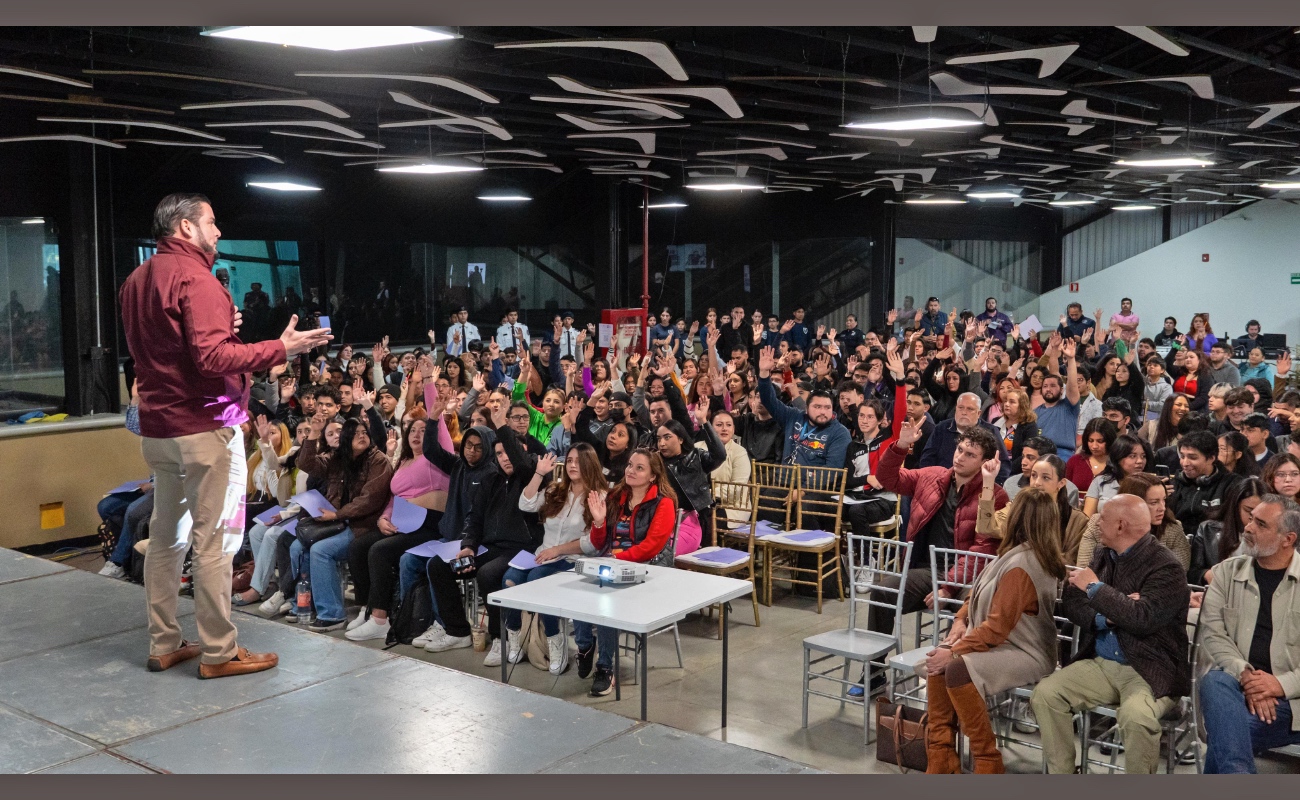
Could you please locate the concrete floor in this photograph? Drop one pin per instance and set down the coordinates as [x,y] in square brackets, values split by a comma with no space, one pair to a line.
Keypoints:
[764,691]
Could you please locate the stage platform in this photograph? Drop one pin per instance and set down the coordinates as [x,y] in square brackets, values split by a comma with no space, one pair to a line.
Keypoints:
[75,698]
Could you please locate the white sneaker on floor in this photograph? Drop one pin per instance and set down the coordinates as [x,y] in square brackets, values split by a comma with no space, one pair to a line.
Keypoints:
[359,621]
[514,647]
[370,629]
[435,631]
[112,570]
[493,658]
[558,645]
[273,603]
[285,608]
[444,642]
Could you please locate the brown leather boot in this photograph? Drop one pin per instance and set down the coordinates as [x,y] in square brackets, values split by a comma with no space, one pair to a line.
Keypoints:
[974,716]
[243,663]
[168,660]
[940,729]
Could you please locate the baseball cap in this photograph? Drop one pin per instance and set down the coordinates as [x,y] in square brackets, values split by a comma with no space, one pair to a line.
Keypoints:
[387,389]
[620,397]
[566,314]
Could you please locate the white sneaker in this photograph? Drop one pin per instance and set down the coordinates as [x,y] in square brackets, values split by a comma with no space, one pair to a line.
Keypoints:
[273,603]
[112,570]
[359,621]
[514,646]
[370,629]
[558,645]
[444,642]
[285,608]
[493,658]
[435,631]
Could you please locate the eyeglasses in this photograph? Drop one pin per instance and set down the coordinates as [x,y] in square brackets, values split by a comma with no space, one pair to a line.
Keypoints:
[473,446]
[518,417]
[1289,475]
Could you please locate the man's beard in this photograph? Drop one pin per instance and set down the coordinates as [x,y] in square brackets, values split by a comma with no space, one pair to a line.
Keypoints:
[207,245]
[1257,552]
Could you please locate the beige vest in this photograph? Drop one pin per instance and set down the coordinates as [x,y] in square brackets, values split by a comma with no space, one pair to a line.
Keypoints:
[1030,652]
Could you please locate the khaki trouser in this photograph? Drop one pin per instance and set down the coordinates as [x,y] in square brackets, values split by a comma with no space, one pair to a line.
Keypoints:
[1092,683]
[200,483]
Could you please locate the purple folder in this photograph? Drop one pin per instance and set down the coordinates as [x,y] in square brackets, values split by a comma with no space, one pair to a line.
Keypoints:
[809,536]
[407,516]
[265,516]
[723,555]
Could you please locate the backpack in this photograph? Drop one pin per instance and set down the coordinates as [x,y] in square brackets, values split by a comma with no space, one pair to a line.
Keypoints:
[413,617]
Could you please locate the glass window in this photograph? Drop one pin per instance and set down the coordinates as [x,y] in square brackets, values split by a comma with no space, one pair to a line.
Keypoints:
[963,273]
[31,334]
[264,278]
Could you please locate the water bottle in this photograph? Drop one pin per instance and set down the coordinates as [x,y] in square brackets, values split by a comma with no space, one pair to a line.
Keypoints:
[304,606]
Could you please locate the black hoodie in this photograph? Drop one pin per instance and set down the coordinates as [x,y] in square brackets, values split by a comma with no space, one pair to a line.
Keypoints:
[465,480]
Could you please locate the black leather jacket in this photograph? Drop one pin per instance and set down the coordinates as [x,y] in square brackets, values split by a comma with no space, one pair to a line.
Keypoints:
[1205,550]
[689,472]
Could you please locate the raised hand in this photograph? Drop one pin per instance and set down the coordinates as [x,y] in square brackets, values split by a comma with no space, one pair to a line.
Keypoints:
[545,465]
[1087,335]
[821,331]
[788,326]
[1068,349]
[822,366]
[989,470]
[432,338]
[296,341]
[766,361]
[287,390]
[478,383]
[1284,362]
[910,433]
[264,428]
[895,363]
[831,334]
[596,505]
[712,337]
[702,410]
[393,442]
[1015,331]
[695,327]
[892,316]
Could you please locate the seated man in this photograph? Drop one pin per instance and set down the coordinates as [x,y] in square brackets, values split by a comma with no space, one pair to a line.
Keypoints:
[1200,487]
[1249,698]
[1131,605]
[942,445]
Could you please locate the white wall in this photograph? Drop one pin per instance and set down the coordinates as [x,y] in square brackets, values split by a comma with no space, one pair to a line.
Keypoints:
[923,271]
[1253,252]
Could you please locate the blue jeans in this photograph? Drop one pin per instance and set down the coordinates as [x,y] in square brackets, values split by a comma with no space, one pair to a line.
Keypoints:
[410,571]
[323,569]
[125,541]
[1233,735]
[514,577]
[262,539]
[606,638]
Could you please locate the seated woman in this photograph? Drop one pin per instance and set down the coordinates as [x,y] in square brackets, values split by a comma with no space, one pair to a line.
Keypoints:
[688,471]
[1047,475]
[737,468]
[1092,457]
[373,557]
[498,526]
[1129,455]
[1282,475]
[1017,424]
[1004,636]
[1235,456]
[356,476]
[612,449]
[1164,526]
[635,524]
[566,518]
[865,501]
[1217,540]
[279,545]
[270,482]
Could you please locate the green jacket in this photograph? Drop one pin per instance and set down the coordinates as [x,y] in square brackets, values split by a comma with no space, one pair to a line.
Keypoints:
[538,427]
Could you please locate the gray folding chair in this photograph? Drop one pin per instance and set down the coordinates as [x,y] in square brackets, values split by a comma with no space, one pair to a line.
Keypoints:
[954,572]
[876,567]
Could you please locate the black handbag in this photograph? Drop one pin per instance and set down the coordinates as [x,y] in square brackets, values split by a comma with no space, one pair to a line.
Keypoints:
[310,531]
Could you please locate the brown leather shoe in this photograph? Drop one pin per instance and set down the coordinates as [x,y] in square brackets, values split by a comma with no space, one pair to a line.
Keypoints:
[243,663]
[168,660]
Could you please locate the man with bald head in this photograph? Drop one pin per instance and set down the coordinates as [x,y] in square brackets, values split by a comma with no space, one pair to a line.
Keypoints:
[1130,605]
[942,444]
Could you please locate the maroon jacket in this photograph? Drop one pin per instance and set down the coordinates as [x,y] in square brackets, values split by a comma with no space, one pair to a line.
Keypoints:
[191,369]
[928,486]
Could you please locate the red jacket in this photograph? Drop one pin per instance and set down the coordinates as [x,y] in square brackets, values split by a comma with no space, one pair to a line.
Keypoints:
[191,369]
[656,534]
[928,486]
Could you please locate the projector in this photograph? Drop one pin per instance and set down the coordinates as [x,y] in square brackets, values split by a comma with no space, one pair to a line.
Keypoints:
[612,570]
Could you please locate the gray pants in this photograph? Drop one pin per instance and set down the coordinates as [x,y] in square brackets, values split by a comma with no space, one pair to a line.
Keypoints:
[918,586]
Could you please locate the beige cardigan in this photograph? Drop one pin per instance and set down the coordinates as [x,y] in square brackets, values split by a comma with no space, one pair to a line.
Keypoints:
[989,522]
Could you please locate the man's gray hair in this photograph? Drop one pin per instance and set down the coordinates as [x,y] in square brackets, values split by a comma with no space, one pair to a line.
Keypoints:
[1289,520]
[979,401]
[175,207]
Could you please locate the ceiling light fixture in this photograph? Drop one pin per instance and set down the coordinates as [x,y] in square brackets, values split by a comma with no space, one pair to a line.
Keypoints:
[1165,159]
[935,201]
[332,37]
[996,193]
[929,119]
[668,204]
[1136,208]
[504,196]
[34,221]
[432,168]
[1280,186]
[1067,203]
[283,186]
[725,185]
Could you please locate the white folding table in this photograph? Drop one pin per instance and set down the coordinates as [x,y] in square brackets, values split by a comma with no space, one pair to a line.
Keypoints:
[666,596]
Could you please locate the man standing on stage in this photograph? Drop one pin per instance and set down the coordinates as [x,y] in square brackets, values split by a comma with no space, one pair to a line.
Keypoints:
[192,373]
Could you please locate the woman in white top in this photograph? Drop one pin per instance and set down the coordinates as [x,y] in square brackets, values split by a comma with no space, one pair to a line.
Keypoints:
[1129,455]
[566,520]
[737,468]
[271,482]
